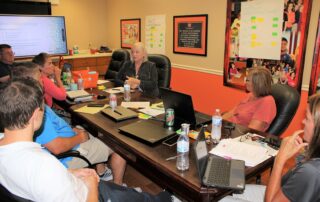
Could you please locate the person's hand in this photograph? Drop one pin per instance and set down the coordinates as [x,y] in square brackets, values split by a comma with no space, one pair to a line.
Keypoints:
[133,82]
[57,72]
[84,172]
[290,146]
[84,136]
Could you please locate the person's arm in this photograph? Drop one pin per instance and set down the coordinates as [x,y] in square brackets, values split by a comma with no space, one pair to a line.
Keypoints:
[57,75]
[4,78]
[63,144]
[228,114]
[289,147]
[152,82]
[54,91]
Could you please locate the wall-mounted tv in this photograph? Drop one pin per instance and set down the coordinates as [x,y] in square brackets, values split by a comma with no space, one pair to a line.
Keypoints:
[30,35]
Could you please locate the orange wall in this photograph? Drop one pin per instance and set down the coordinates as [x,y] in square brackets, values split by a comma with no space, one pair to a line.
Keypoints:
[208,93]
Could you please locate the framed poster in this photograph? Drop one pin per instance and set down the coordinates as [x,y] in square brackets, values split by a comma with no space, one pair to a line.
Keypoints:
[269,34]
[314,86]
[190,34]
[130,30]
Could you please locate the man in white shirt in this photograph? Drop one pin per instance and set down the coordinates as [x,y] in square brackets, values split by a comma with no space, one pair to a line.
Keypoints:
[29,172]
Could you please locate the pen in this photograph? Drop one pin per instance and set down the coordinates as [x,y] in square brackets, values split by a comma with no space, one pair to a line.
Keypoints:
[116,89]
[115,111]
[172,158]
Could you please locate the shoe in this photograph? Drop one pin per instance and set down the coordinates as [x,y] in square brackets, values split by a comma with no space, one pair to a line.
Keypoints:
[107,175]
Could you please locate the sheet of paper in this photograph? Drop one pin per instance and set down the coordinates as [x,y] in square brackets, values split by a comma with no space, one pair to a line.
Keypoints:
[77,93]
[91,110]
[115,90]
[102,82]
[251,154]
[152,112]
[135,105]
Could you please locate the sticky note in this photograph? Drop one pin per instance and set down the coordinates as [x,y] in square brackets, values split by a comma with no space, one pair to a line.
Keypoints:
[253,27]
[253,44]
[273,43]
[274,25]
[274,33]
[275,19]
[260,19]
[253,36]
[253,17]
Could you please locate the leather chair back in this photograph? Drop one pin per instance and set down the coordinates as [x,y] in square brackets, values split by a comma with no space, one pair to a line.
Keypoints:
[117,59]
[163,65]
[5,195]
[287,101]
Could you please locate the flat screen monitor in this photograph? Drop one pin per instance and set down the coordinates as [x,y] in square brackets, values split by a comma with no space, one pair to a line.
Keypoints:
[31,35]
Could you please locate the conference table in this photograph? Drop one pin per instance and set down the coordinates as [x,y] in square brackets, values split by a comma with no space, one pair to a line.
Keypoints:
[151,160]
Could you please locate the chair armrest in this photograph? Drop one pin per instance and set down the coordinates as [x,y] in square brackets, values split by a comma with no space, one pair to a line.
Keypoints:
[73,153]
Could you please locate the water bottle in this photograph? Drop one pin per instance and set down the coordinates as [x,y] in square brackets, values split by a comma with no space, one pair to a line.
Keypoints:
[69,76]
[183,148]
[113,101]
[80,82]
[126,89]
[216,127]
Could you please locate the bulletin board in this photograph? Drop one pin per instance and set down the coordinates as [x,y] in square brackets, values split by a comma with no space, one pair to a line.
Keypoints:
[270,34]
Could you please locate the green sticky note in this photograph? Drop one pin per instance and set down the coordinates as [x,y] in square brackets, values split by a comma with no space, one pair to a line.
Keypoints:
[253,27]
[253,17]
[275,19]
[274,25]
[274,33]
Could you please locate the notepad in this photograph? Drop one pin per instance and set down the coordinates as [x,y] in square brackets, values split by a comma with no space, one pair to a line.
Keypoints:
[77,93]
[135,105]
[115,90]
[91,110]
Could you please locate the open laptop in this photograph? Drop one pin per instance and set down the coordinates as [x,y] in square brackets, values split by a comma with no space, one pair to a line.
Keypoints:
[183,108]
[216,171]
[120,113]
[147,131]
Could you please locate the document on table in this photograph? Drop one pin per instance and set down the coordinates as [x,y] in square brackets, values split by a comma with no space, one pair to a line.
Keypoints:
[77,93]
[135,105]
[115,90]
[234,149]
[152,112]
[102,82]
[91,110]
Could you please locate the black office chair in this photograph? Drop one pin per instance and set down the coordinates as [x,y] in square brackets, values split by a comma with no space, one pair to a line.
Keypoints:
[117,59]
[287,101]
[163,65]
[5,195]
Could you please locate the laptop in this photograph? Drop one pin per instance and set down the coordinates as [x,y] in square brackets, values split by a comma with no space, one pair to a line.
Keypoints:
[215,171]
[147,131]
[183,108]
[119,113]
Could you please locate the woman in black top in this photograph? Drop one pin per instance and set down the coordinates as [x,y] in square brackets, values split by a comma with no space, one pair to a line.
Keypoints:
[139,73]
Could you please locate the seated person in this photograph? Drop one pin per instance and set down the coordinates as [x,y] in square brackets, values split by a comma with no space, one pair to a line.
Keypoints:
[258,110]
[58,137]
[49,72]
[29,172]
[302,183]
[139,72]
[6,61]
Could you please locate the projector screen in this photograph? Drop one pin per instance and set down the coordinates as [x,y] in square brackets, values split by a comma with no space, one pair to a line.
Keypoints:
[31,35]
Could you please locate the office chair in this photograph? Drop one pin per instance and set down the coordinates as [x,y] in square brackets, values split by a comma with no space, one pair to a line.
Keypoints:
[287,101]
[117,59]
[163,65]
[6,195]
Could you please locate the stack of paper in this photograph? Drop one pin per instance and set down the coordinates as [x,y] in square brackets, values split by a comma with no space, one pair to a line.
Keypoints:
[135,105]
[115,90]
[91,110]
[234,149]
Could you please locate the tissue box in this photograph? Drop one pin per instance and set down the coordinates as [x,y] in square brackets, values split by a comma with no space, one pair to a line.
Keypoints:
[90,78]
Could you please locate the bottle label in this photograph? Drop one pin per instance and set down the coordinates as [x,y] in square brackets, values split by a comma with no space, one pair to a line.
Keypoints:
[182,146]
[217,121]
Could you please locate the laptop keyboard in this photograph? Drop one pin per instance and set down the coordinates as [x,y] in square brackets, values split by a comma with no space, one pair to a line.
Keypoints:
[219,172]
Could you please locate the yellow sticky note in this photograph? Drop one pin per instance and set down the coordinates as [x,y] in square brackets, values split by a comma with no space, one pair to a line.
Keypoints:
[273,43]
[143,116]
[253,36]
[253,44]
[91,110]
[260,19]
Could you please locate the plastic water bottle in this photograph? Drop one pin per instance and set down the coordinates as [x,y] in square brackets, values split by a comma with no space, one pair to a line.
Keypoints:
[113,101]
[80,83]
[216,127]
[183,148]
[126,89]
[69,76]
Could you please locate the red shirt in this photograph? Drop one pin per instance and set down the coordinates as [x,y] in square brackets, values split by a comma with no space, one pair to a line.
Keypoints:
[262,109]
[51,90]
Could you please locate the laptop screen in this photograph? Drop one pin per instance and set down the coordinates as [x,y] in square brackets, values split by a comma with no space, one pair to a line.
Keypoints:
[181,103]
[201,153]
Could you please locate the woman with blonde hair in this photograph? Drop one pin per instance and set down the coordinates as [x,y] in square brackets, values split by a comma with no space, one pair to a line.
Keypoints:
[258,110]
[139,73]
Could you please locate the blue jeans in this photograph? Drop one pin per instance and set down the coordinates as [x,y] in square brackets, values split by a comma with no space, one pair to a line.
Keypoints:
[109,191]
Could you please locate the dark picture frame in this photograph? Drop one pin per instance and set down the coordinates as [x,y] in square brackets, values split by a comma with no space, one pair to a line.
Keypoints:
[314,86]
[130,30]
[190,34]
[293,26]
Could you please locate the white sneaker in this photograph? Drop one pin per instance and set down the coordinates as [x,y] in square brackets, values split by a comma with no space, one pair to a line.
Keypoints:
[107,175]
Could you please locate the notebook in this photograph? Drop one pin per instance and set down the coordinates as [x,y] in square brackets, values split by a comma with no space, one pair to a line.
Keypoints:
[119,113]
[216,171]
[77,94]
[183,108]
[147,131]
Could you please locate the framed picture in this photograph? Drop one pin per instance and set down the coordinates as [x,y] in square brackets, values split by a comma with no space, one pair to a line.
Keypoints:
[314,86]
[130,32]
[190,34]
[269,34]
